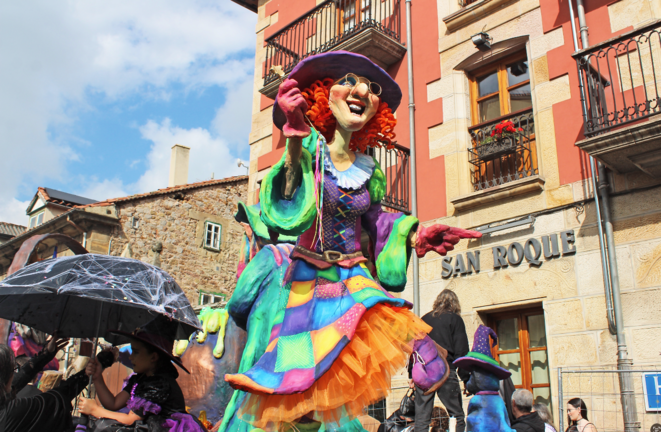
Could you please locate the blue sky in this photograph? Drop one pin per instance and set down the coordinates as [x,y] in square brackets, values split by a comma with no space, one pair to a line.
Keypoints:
[93,94]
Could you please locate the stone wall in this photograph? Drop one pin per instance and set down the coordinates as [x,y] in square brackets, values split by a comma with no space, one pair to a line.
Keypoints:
[570,289]
[178,223]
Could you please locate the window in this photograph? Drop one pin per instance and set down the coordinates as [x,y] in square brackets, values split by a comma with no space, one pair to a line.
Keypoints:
[212,235]
[349,13]
[521,349]
[501,93]
[36,220]
[500,89]
[209,298]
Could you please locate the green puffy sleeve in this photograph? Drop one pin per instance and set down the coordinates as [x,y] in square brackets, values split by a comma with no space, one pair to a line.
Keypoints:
[290,217]
[389,233]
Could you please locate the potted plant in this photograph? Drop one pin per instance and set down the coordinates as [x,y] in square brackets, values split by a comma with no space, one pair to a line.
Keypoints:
[503,140]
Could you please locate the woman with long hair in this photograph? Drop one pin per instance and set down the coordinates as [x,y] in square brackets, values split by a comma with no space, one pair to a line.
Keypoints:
[448,331]
[49,411]
[577,416]
[338,334]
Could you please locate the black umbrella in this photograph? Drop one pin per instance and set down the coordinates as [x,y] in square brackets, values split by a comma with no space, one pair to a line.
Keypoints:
[87,296]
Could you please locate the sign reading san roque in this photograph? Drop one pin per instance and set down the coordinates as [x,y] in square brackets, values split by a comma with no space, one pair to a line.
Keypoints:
[534,251]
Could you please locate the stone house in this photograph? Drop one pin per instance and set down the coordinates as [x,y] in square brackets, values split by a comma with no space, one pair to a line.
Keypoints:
[188,230]
[545,273]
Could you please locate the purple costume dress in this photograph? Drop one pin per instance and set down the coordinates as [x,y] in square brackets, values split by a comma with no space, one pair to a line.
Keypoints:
[322,304]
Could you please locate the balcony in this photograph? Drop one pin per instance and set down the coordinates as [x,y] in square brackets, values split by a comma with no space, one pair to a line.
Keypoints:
[502,158]
[368,27]
[395,165]
[619,87]
[504,163]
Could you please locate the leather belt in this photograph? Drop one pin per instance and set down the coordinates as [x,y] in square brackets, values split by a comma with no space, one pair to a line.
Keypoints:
[329,256]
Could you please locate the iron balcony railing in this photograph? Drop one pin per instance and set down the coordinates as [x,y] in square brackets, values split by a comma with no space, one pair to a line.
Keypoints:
[395,165]
[499,158]
[620,79]
[327,26]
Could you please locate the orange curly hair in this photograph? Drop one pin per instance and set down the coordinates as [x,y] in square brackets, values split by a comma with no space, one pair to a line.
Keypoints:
[379,130]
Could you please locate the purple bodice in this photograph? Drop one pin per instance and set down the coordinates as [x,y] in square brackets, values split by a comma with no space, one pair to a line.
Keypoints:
[341,216]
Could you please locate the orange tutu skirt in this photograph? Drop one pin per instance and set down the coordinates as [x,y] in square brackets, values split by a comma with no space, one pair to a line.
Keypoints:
[359,377]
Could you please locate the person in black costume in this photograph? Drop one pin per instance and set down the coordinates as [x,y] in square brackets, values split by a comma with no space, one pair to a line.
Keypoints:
[49,411]
[31,388]
[152,394]
[449,331]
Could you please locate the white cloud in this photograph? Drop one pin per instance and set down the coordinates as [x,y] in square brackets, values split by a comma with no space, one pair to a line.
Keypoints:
[208,155]
[55,52]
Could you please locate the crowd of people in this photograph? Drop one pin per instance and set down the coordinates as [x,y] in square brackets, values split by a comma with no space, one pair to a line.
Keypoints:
[151,399]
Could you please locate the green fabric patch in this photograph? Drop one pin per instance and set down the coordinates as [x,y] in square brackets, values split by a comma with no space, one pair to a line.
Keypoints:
[294,352]
[376,185]
[393,261]
[250,215]
[289,217]
[366,293]
[330,273]
[483,357]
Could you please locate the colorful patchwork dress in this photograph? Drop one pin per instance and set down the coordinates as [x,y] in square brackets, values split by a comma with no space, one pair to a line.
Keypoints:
[337,334]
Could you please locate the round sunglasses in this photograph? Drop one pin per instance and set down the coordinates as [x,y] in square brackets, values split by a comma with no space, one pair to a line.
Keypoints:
[352,80]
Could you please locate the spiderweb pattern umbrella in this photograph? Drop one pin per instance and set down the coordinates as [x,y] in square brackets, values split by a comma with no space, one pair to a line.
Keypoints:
[75,295]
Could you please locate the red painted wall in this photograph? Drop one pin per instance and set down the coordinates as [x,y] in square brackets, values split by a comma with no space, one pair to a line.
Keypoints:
[567,115]
[426,64]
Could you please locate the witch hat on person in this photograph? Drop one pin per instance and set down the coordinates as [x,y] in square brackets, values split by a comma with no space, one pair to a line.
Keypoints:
[158,333]
[481,356]
[335,65]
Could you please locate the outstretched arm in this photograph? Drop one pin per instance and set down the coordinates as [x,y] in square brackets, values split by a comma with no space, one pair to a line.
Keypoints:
[108,400]
[438,238]
[293,105]
[90,407]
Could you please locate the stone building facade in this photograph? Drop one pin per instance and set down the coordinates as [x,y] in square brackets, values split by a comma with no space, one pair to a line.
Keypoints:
[166,227]
[534,199]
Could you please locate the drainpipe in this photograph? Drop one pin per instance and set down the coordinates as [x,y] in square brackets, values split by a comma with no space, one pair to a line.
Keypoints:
[624,364]
[414,180]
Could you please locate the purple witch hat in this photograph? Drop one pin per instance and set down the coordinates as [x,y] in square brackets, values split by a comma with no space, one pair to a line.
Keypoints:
[336,65]
[481,354]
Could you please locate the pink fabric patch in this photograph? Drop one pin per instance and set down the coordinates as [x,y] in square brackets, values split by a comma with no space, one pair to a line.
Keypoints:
[349,321]
[296,380]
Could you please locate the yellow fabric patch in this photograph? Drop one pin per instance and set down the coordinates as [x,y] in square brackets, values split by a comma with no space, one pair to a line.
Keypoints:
[272,345]
[323,341]
[358,283]
[301,293]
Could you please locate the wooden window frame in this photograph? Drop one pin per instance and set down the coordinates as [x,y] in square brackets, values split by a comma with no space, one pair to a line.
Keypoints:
[503,89]
[524,342]
[358,11]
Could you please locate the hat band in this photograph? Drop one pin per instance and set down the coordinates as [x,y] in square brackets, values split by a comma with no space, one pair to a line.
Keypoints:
[483,357]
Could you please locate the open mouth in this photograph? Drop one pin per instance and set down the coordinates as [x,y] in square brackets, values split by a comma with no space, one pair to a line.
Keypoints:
[356,108]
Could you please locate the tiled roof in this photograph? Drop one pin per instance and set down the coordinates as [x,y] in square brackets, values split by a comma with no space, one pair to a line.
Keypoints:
[11,229]
[59,197]
[168,190]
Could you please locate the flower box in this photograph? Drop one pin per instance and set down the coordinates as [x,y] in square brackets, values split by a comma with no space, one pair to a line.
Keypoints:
[502,141]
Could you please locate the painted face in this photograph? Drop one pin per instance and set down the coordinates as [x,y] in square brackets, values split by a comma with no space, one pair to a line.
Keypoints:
[142,360]
[353,105]
[573,412]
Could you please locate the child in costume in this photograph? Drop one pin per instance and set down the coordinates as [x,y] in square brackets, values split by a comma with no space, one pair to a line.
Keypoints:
[486,410]
[151,394]
[334,333]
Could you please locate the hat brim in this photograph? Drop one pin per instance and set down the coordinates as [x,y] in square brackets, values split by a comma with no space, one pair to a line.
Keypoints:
[335,65]
[175,360]
[469,364]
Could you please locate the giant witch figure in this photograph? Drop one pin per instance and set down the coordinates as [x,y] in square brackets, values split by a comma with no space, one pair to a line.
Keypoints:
[324,334]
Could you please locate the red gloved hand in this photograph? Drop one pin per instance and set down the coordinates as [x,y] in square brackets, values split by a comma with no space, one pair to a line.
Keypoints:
[294,106]
[440,238]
